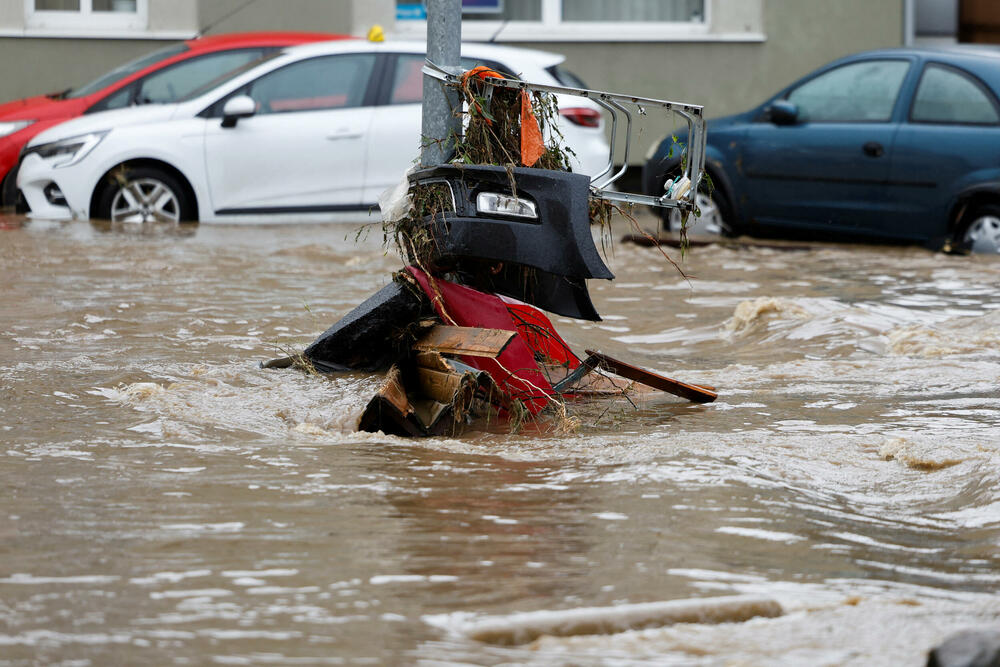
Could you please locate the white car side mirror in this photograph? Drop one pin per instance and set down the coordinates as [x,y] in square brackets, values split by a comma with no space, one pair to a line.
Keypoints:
[241,106]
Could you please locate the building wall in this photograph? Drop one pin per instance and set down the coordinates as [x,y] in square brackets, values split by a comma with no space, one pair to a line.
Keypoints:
[311,15]
[35,65]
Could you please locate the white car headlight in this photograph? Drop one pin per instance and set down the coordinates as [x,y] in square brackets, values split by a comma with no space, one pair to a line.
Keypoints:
[12,126]
[68,151]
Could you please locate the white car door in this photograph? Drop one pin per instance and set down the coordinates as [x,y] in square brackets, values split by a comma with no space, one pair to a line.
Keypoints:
[394,143]
[395,140]
[304,150]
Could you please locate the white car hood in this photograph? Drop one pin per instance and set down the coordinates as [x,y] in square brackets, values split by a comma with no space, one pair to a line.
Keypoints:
[106,120]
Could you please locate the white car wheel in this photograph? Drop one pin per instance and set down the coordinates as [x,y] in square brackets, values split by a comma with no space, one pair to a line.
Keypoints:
[143,193]
[145,200]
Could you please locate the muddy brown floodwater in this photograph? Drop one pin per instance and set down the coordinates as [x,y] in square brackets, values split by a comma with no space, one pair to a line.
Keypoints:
[165,501]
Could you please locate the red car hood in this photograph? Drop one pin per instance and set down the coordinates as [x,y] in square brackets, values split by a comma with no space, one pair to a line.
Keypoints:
[41,107]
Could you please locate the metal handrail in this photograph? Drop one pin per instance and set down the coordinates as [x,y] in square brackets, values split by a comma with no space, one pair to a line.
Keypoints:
[616,104]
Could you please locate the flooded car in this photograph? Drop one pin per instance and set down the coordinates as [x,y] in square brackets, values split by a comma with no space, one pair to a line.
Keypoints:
[308,133]
[162,76]
[895,145]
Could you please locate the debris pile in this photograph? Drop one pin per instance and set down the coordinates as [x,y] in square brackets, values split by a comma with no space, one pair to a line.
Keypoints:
[492,239]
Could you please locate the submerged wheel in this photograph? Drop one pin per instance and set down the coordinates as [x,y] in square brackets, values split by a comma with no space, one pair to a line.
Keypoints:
[711,221]
[145,194]
[10,196]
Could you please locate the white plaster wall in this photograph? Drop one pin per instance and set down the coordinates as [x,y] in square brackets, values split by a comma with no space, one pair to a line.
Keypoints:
[11,14]
[736,16]
[172,16]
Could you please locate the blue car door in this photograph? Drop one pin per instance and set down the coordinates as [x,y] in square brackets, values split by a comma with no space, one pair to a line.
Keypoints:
[949,142]
[827,169]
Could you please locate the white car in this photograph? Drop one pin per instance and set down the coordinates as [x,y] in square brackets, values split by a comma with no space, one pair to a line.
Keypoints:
[306,134]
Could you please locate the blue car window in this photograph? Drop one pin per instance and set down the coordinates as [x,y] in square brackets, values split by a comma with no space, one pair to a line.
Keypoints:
[946,95]
[857,92]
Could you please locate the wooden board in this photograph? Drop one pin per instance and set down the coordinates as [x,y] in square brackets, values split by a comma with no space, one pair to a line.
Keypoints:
[439,385]
[389,410]
[433,361]
[692,392]
[393,392]
[471,341]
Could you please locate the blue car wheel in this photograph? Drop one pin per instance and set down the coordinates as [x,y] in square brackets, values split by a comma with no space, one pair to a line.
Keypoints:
[710,219]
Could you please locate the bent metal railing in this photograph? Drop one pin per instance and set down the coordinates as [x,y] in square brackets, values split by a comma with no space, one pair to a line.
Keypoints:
[618,106]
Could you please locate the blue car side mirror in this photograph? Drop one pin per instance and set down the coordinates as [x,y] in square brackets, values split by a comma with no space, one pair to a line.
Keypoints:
[783,112]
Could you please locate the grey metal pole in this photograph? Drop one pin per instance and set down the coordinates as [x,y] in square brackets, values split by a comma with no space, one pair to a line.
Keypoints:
[444,48]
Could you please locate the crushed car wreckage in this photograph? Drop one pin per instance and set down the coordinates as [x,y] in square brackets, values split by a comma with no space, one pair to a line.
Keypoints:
[461,331]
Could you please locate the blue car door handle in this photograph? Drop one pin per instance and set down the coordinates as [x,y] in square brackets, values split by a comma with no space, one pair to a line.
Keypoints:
[873,149]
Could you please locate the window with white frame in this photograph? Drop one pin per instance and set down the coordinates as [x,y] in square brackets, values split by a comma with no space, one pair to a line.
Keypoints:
[570,20]
[86,16]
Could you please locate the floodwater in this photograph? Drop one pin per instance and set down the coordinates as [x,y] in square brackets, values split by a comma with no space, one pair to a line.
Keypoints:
[163,500]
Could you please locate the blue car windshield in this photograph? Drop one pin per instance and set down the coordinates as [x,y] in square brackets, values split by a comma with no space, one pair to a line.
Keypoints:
[119,73]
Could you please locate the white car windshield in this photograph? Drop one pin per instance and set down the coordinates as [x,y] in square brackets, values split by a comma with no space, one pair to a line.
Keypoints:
[228,76]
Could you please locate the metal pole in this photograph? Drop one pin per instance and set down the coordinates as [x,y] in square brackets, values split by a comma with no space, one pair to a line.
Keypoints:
[444,48]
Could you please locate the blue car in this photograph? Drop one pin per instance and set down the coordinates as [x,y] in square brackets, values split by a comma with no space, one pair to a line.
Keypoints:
[895,145]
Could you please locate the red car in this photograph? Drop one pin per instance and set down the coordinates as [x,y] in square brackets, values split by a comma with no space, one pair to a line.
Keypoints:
[162,76]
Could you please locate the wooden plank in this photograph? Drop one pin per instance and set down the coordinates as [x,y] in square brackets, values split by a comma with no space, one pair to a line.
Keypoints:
[692,392]
[441,386]
[433,361]
[394,393]
[390,411]
[472,341]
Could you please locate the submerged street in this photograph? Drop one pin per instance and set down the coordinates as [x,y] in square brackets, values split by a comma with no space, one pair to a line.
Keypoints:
[163,500]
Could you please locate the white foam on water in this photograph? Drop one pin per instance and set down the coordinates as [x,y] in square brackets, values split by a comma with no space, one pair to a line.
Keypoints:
[272,572]
[281,590]
[760,534]
[978,335]
[976,516]
[383,579]
[225,527]
[270,403]
[520,628]
[191,593]
[170,577]
[925,455]
[229,634]
[53,638]
[21,578]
